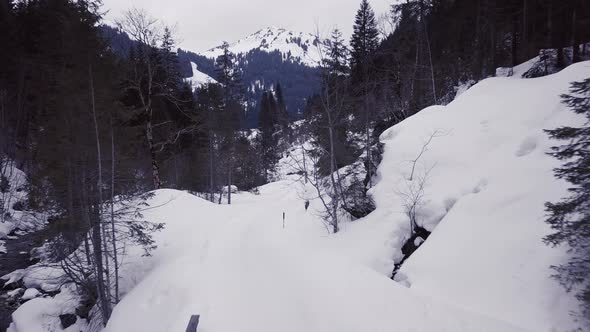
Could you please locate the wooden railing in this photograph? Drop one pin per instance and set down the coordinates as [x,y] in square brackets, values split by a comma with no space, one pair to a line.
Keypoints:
[192,324]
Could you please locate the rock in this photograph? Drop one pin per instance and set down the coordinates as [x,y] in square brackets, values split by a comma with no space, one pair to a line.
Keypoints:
[67,320]
[418,241]
[234,189]
[13,285]
[15,292]
[30,293]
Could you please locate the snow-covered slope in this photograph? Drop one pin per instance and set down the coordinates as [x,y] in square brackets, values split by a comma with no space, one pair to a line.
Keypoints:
[296,46]
[489,179]
[198,78]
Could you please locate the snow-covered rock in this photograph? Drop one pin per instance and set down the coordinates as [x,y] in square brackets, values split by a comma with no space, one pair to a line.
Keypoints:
[30,293]
[42,313]
[233,189]
[13,197]
[14,293]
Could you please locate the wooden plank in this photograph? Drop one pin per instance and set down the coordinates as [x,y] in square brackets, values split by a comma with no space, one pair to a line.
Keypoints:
[192,324]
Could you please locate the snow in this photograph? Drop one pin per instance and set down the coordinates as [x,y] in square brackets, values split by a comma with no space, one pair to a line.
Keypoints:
[3,247]
[30,293]
[233,189]
[239,269]
[296,46]
[13,276]
[42,314]
[14,292]
[12,219]
[199,78]
[46,276]
[484,267]
[486,254]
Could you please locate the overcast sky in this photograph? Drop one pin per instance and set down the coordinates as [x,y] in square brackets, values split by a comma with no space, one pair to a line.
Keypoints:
[203,24]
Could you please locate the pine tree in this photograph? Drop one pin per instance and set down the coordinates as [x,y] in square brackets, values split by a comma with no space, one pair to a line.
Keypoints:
[282,115]
[169,59]
[227,73]
[570,218]
[267,126]
[364,40]
[337,60]
[228,77]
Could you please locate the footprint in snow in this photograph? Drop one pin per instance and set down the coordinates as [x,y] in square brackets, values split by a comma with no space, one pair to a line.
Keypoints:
[527,146]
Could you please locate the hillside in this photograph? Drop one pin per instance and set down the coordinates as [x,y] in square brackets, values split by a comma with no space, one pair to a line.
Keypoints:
[484,267]
[264,58]
[267,57]
[432,173]
[296,47]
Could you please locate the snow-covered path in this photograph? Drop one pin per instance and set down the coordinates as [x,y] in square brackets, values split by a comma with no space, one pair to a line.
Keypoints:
[239,269]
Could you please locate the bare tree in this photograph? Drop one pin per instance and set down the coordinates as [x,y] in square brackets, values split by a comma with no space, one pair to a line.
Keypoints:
[147,32]
[98,230]
[147,82]
[321,187]
[332,99]
[413,194]
[413,197]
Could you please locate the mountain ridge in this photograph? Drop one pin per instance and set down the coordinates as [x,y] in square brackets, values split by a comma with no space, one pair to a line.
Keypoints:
[295,46]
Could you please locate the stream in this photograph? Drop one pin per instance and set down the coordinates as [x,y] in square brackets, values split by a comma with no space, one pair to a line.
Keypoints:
[17,257]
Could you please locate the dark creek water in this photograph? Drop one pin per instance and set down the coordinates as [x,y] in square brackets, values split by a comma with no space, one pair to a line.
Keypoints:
[18,257]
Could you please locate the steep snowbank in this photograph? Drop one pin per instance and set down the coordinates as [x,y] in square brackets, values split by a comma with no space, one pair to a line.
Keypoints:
[488,181]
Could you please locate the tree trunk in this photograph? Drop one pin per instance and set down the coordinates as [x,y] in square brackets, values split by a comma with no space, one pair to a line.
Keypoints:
[524,41]
[150,141]
[367,141]
[560,59]
[113,232]
[514,48]
[334,187]
[98,244]
[304,165]
[575,41]
[427,38]
[229,182]
[211,177]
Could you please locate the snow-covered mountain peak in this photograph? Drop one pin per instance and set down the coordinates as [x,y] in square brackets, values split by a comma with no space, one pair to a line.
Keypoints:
[297,46]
